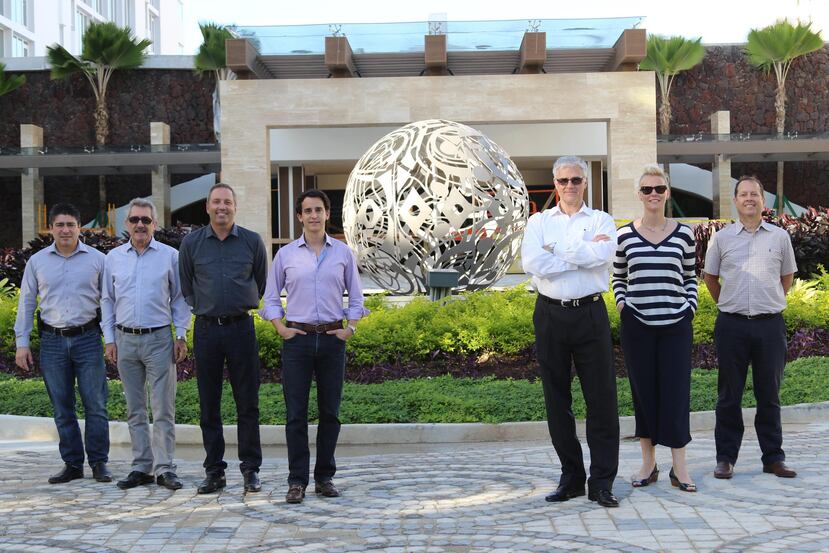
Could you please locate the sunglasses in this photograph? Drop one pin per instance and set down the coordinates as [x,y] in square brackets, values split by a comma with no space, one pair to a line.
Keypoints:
[647,190]
[575,180]
[135,219]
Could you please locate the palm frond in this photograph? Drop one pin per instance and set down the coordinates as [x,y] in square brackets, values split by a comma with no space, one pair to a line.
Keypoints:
[9,83]
[65,64]
[107,44]
[672,55]
[780,43]
[211,54]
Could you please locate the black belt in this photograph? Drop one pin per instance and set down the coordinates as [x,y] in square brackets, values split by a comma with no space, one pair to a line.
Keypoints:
[139,331]
[578,302]
[751,317]
[68,331]
[223,320]
[317,329]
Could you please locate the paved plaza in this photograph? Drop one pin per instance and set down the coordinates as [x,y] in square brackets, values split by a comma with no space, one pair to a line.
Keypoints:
[448,497]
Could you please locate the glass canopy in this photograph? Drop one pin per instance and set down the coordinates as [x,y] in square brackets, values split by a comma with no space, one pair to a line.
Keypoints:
[462,36]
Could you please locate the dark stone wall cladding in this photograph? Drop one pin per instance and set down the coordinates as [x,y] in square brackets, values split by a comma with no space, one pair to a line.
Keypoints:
[725,80]
[135,98]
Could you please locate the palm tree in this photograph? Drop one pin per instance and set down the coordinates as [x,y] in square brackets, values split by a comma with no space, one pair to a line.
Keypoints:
[668,57]
[211,57]
[9,82]
[106,48]
[776,47]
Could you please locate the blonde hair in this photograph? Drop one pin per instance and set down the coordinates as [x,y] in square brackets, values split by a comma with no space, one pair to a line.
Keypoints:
[652,170]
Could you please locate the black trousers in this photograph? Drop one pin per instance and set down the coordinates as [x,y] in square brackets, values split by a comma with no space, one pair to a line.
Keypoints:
[323,357]
[658,361]
[761,342]
[213,344]
[579,335]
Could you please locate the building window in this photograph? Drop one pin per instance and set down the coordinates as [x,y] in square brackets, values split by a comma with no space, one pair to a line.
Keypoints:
[112,11]
[155,4]
[20,12]
[129,14]
[95,5]
[2,40]
[20,47]
[82,21]
[154,32]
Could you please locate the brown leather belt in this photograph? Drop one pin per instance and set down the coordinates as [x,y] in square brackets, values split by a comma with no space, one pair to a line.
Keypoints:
[318,329]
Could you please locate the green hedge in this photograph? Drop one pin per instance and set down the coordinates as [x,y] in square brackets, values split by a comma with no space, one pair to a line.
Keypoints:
[429,400]
[478,323]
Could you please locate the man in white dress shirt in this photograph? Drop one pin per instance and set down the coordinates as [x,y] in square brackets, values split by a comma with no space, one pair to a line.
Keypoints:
[568,251]
[141,297]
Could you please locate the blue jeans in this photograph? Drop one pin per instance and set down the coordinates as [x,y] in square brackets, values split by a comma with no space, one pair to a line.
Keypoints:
[63,360]
[323,356]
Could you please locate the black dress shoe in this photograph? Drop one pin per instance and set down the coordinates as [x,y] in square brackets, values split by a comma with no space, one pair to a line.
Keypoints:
[605,498]
[169,480]
[134,479]
[252,481]
[563,493]
[101,473]
[326,489]
[212,483]
[296,493]
[66,474]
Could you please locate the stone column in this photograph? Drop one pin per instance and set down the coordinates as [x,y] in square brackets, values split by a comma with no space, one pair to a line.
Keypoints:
[160,136]
[721,171]
[31,184]
[631,144]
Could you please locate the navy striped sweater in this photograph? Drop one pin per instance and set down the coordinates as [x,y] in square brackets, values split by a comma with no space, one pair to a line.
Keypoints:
[657,281]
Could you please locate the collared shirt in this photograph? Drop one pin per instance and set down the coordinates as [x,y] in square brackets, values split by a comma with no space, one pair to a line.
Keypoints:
[69,289]
[142,290]
[751,264]
[576,267]
[222,277]
[315,285]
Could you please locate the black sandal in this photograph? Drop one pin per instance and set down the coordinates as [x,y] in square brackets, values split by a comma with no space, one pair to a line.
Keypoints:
[637,483]
[683,486]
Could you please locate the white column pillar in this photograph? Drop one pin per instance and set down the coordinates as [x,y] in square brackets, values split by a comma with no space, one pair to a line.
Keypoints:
[721,170]
[160,136]
[31,184]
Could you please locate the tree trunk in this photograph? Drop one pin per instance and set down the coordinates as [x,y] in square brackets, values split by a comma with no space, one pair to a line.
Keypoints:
[665,116]
[780,109]
[101,134]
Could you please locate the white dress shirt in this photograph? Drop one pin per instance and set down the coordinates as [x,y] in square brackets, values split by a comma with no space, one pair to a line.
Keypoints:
[559,253]
[142,291]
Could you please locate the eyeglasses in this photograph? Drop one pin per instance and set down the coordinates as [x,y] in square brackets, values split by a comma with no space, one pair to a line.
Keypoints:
[135,218]
[575,180]
[648,190]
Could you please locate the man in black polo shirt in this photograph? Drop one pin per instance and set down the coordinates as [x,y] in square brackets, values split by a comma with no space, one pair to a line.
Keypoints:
[223,269]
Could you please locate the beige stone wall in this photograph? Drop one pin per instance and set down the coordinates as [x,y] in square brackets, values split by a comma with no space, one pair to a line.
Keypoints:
[625,100]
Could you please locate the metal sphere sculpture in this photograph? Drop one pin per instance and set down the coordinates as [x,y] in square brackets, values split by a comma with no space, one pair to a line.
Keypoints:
[435,194]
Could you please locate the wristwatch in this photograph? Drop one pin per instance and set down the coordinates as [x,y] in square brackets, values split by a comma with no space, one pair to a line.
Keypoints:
[353,329]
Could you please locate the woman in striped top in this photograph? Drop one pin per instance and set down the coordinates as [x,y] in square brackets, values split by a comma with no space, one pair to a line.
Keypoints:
[656,295]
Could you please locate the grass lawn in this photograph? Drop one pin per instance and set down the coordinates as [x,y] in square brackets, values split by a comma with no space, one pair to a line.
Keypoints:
[428,400]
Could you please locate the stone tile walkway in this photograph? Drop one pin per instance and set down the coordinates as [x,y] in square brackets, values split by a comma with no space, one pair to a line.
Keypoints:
[468,498]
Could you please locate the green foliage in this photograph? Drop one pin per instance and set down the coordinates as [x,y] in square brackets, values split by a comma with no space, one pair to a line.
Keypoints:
[777,45]
[705,316]
[211,54]
[9,82]
[105,46]
[429,400]
[672,55]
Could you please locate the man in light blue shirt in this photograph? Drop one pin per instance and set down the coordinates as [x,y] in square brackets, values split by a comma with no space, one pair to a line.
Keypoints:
[66,276]
[141,297]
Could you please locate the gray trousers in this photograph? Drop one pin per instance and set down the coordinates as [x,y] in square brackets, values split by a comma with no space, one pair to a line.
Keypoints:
[143,360]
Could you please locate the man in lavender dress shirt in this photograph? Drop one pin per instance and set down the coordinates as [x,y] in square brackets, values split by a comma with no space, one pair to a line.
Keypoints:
[315,270]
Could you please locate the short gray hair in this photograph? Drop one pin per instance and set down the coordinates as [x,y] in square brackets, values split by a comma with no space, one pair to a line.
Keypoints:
[571,161]
[141,202]
[653,170]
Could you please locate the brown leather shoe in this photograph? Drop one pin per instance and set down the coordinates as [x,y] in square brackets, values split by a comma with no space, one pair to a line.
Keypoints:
[296,493]
[779,469]
[724,470]
[326,489]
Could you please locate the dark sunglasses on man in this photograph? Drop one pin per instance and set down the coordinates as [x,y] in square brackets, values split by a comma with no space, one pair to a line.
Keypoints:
[575,180]
[135,219]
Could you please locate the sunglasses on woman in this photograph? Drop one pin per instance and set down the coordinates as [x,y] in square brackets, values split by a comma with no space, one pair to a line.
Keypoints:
[648,190]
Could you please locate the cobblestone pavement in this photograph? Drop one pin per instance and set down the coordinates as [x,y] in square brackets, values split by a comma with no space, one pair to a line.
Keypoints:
[464,498]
